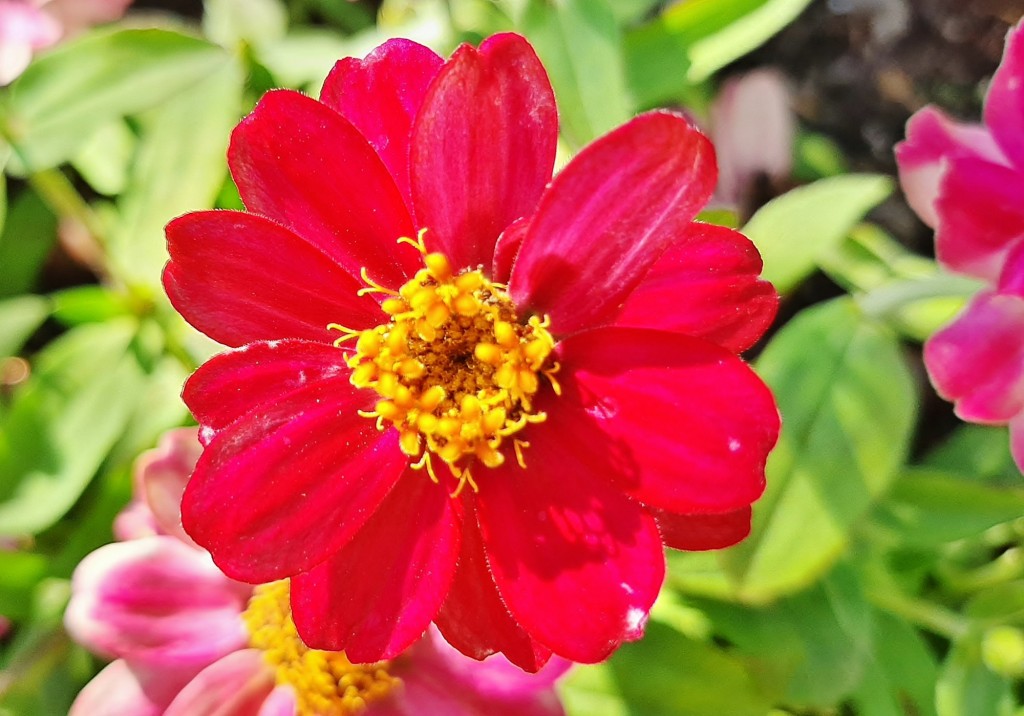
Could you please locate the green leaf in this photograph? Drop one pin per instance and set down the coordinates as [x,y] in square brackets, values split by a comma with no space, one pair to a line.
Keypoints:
[929,507]
[581,46]
[900,678]
[104,158]
[19,318]
[795,229]
[19,573]
[848,405]
[695,39]
[89,304]
[981,452]
[967,688]
[68,94]
[63,422]
[168,179]
[230,22]
[29,233]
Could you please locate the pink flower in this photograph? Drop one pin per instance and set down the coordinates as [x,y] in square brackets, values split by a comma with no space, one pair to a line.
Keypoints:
[500,425]
[27,26]
[967,182]
[188,641]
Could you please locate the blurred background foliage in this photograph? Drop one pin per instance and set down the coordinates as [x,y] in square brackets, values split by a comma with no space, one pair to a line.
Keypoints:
[885,572]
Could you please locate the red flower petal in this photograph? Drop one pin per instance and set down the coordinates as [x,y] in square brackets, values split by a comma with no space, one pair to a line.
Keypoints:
[577,563]
[220,281]
[977,361]
[473,618]
[231,384]
[608,216]
[302,164]
[980,216]
[506,250]
[280,491]
[1004,105]
[701,532]
[684,425]
[483,147]
[378,594]
[381,95]
[706,285]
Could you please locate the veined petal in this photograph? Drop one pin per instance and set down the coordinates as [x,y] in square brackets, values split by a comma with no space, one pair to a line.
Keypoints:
[381,96]
[302,474]
[155,601]
[697,532]
[473,618]
[705,285]
[686,426]
[302,164]
[220,278]
[932,139]
[506,250]
[379,592]
[124,690]
[981,216]
[608,216]
[236,685]
[483,147]
[577,563]
[977,361]
[231,384]
[1004,104]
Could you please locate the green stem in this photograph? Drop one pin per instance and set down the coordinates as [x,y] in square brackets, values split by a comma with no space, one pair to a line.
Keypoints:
[929,616]
[887,300]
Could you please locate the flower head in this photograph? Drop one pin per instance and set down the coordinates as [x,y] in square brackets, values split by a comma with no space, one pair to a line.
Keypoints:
[463,391]
[187,640]
[966,181]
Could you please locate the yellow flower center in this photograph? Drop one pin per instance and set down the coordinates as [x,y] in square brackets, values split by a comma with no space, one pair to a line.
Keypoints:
[325,682]
[455,367]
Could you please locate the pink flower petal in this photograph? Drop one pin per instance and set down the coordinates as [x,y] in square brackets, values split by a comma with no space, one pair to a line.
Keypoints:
[608,216]
[302,474]
[695,533]
[932,139]
[281,702]
[79,15]
[977,361]
[683,425]
[577,563]
[1011,279]
[155,601]
[426,693]
[135,521]
[236,685]
[981,216]
[379,592]
[1004,105]
[473,618]
[381,95]
[219,280]
[705,285]
[124,690]
[160,476]
[302,164]
[231,384]
[483,147]
[1017,440]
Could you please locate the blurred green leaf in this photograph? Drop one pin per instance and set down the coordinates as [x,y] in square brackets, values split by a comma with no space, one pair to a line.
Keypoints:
[63,422]
[104,158]
[89,304]
[817,156]
[303,58]
[581,46]
[28,236]
[967,688]
[19,573]
[68,94]
[848,404]
[795,229]
[981,452]
[929,507]
[159,408]
[691,40]
[180,167]
[19,318]
[900,678]
[229,22]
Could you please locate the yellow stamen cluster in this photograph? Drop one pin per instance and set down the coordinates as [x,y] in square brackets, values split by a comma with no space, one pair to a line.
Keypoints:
[325,682]
[455,368]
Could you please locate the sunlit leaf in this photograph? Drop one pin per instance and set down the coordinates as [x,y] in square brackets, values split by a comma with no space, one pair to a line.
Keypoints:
[848,404]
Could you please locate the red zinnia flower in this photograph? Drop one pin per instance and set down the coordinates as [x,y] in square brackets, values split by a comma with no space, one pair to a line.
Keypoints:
[548,391]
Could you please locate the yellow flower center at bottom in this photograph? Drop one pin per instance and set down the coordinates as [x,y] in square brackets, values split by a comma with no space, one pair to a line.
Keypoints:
[455,368]
[325,683]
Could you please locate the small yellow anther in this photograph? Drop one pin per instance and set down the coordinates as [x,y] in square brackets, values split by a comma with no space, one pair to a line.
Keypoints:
[469,282]
[409,442]
[432,397]
[439,266]
[388,410]
[488,353]
[505,334]
[466,304]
